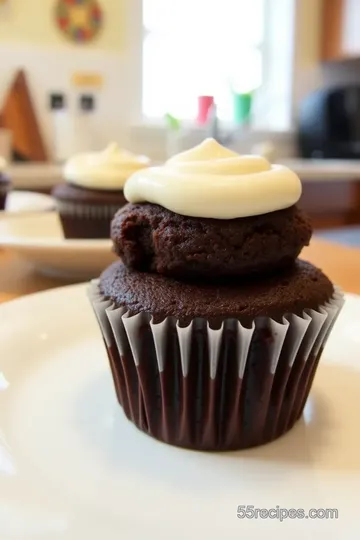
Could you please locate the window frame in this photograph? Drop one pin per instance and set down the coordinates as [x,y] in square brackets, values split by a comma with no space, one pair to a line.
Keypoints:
[281,21]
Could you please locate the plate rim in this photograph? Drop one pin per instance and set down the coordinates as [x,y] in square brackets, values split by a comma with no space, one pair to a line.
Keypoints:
[21,242]
[58,244]
[28,298]
[51,204]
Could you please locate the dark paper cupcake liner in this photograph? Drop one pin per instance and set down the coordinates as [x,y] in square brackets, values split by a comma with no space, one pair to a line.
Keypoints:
[82,210]
[208,389]
[86,220]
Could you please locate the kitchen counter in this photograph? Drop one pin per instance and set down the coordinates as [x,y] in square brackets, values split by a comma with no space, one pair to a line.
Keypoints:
[324,169]
[44,176]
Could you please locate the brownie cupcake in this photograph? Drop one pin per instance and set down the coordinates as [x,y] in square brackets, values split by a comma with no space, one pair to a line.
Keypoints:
[5,183]
[93,191]
[213,328]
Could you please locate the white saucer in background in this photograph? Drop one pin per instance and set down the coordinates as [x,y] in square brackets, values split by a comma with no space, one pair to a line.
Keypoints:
[72,467]
[27,201]
[39,239]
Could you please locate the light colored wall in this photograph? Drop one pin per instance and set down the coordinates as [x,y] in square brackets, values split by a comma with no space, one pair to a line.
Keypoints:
[307,71]
[50,70]
[310,72]
[29,39]
[32,21]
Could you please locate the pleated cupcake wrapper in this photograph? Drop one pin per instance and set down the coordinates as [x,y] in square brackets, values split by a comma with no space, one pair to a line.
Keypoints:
[87,211]
[208,389]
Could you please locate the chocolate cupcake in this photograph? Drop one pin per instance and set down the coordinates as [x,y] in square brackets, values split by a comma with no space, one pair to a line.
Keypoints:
[93,191]
[5,183]
[213,327]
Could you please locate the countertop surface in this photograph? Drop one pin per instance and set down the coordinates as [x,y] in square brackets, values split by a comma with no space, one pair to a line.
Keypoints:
[46,175]
[341,264]
[324,169]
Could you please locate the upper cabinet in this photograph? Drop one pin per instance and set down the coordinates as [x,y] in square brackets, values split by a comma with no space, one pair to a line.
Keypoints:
[341,29]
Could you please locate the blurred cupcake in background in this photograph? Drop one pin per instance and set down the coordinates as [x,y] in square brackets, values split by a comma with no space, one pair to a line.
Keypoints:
[4,183]
[93,190]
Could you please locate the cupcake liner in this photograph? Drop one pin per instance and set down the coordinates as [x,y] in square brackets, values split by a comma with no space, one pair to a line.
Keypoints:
[85,220]
[213,389]
[90,211]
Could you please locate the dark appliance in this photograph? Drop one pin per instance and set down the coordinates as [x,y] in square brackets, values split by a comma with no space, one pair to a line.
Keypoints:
[329,124]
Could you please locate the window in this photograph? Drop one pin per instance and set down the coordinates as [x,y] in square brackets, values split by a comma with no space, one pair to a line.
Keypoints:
[200,47]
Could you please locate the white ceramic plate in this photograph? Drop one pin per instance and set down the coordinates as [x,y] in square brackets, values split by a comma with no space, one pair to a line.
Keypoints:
[73,468]
[27,201]
[39,239]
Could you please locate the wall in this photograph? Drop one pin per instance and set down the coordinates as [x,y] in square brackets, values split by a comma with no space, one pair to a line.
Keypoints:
[30,39]
[309,72]
[347,72]
[32,21]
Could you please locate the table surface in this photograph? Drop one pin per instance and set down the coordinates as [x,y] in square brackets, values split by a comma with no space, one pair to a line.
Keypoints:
[341,264]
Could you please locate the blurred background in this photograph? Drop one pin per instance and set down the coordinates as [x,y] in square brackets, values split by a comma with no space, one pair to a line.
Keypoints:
[276,77]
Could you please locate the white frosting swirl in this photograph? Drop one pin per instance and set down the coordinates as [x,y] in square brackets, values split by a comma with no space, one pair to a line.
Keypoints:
[106,170]
[211,181]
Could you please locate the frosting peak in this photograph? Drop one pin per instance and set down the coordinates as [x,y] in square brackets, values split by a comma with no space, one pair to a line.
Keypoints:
[105,170]
[211,181]
[209,149]
[210,156]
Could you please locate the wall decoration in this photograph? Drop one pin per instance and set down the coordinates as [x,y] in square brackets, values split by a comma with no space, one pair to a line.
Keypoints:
[18,116]
[82,79]
[80,20]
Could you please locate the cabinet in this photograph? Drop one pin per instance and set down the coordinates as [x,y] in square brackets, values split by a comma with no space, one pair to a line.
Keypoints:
[341,29]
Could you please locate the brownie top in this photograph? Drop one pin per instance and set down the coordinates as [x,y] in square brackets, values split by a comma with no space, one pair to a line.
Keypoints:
[150,238]
[299,287]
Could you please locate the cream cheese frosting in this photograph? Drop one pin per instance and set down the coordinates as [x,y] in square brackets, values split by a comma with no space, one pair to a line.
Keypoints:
[106,170]
[211,181]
